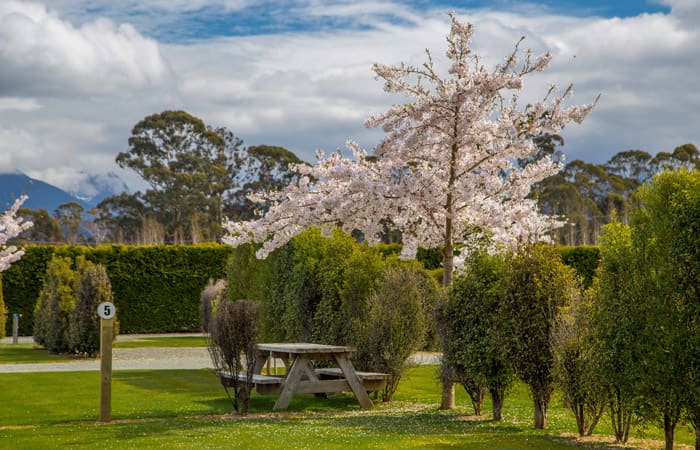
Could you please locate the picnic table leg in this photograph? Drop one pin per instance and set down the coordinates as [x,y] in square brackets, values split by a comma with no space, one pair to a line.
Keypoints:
[291,382]
[260,359]
[343,361]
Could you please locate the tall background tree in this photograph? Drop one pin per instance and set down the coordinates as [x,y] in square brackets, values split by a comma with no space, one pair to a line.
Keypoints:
[187,166]
[196,174]
[458,160]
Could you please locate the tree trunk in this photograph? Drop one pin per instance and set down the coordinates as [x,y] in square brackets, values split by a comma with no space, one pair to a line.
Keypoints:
[448,386]
[620,418]
[578,409]
[497,397]
[669,428]
[476,395]
[540,401]
[697,437]
[448,395]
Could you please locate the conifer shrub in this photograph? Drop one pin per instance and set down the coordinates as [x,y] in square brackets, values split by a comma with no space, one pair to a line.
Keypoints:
[54,306]
[92,288]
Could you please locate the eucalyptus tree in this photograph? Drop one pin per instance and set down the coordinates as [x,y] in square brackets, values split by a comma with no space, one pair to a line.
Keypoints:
[188,167]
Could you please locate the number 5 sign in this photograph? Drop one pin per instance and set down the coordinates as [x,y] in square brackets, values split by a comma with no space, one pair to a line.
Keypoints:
[106,310]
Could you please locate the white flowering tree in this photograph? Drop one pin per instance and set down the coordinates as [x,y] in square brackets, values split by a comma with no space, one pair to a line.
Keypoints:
[458,160]
[10,227]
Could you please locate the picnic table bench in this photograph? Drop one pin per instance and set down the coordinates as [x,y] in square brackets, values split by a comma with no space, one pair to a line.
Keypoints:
[302,378]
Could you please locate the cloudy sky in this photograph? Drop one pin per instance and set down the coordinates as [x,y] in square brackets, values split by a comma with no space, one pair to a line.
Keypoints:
[76,75]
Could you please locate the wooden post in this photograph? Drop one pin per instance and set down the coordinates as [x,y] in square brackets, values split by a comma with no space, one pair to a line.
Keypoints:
[106,327]
[106,311]
[15,328]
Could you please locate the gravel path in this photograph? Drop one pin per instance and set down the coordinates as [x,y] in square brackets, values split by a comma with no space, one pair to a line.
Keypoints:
[149,358]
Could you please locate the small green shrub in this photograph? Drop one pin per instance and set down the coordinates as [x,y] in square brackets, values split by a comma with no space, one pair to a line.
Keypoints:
[93,288]
[235,330]
[538,285]
[397,324]
[56,301]
[470,324]
[575,368]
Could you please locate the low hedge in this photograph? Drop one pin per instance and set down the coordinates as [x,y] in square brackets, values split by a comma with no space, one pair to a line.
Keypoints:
[156,288]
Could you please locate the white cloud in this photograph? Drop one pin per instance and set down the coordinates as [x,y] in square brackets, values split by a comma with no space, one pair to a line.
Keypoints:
[41,53]
[71,91]
[19,104]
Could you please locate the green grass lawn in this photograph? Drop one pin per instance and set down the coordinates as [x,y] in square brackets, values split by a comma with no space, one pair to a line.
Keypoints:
[29,353]
[189,409]
[178,341]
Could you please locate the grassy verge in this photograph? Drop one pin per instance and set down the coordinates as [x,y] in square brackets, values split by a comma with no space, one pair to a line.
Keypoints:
[188,409]
[31,353]
[178,341]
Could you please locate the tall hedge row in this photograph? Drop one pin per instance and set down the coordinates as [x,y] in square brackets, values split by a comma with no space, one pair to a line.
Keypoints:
[156,288]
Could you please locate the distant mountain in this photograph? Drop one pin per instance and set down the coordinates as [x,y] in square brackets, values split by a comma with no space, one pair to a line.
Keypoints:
[91,191]
[41,194]
[94,188]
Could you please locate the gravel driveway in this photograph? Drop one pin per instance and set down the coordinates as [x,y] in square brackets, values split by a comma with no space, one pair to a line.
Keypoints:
[149,358]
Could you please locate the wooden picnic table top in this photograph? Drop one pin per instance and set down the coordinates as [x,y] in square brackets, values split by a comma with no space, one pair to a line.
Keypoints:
[304,347]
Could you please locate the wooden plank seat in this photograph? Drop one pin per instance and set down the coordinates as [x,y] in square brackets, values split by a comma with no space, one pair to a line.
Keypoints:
[372,381]
[264,384]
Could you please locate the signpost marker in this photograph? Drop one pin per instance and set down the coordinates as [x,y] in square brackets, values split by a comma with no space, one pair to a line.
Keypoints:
[15,328]
[106,311]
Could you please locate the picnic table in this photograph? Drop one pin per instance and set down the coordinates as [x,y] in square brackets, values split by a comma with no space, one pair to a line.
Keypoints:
[302,378]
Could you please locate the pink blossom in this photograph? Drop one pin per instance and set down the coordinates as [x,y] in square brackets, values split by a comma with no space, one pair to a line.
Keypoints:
[450,163]
[10,227]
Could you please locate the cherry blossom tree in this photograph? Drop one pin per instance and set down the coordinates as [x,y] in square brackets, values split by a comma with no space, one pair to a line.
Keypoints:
[458,159]
[10,227]
[457,162]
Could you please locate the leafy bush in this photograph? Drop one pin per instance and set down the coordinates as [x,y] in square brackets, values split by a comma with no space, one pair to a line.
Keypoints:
[575,368]
[93,288]
[537,286]
[235,330]
[397,324]
[55,304]
[470,324]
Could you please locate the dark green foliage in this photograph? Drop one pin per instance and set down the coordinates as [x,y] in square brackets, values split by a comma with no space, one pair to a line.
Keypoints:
[236,329]
[330,323]
[397,324]
[55,304]
[537,286]
[93,288]
[584,259]
[470,323]
[156,288]
[664,233]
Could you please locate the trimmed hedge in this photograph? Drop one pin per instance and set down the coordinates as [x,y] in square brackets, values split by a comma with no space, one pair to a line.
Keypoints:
[584,259]
[156,288]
